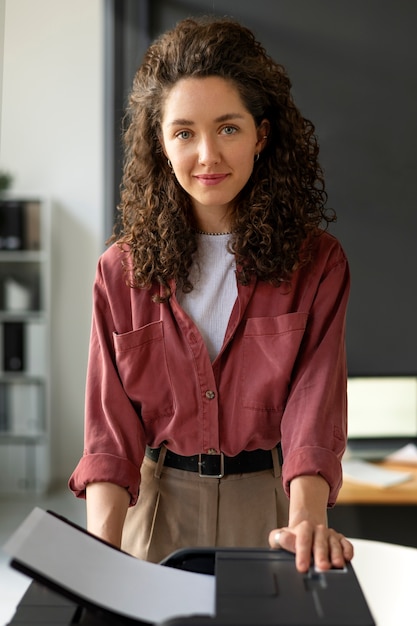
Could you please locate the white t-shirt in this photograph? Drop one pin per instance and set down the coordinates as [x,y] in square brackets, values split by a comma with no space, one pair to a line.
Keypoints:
[211,301]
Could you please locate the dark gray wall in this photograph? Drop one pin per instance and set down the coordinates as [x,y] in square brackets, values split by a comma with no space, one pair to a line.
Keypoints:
[354,71]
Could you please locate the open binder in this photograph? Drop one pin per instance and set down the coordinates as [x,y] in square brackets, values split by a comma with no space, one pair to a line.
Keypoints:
[89,582]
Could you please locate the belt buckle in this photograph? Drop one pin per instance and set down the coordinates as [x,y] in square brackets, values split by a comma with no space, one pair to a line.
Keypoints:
[201,466]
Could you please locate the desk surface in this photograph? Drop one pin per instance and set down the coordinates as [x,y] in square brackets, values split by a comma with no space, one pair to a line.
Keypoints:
[387,574]
[405,493]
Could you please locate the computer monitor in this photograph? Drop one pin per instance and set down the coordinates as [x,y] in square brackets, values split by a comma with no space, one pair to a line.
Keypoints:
[382,406]
[382,413]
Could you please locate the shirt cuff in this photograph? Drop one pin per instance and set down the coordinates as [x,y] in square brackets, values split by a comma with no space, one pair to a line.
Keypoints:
[105,468]
[313,461]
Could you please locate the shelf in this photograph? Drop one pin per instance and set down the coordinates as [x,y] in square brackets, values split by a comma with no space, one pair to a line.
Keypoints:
[22,256]
[25,387]
[29,315]
[20,378]
[11,438]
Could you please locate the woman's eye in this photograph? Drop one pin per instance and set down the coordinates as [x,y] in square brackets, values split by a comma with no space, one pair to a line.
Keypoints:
[229,130]
[184,134]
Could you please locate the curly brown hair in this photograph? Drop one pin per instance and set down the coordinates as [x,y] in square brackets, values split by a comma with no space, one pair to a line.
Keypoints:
[279,208]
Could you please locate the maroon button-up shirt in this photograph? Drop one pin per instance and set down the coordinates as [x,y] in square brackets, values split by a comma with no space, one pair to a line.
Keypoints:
[280,375]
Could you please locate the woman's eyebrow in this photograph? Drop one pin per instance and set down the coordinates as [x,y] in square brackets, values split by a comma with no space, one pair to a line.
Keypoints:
[229,116]
[181,122]
[222,118]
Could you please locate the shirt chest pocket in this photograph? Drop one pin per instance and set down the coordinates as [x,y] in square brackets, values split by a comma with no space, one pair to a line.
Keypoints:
[142,366]
[270,349]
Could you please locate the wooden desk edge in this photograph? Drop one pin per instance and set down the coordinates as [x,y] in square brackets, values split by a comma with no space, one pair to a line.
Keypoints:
[404,493]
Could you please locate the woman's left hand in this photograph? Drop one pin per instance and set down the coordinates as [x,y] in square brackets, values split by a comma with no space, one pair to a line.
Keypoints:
[327,547]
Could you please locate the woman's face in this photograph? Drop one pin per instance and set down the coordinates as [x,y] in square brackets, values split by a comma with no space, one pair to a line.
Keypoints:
[211,140]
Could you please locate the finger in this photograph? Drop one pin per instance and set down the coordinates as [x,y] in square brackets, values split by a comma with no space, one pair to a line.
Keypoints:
[331,549]
[303,547]
[341,550]
[281,538]
[275,538]
[348,549]
[326,549]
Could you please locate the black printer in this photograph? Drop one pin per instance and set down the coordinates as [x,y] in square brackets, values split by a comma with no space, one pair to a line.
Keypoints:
[253,588]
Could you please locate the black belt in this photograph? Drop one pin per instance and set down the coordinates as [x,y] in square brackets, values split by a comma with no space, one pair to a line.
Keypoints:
[218,465]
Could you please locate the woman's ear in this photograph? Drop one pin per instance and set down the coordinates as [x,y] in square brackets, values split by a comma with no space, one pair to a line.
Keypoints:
[262,133]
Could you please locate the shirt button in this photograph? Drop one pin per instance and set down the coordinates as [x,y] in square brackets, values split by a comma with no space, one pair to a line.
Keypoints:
[210,395]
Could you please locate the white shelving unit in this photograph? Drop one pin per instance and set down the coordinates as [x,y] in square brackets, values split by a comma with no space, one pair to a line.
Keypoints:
[24,344]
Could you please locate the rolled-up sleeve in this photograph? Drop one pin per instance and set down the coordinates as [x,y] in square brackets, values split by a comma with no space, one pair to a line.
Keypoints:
[114,438]
[314,424]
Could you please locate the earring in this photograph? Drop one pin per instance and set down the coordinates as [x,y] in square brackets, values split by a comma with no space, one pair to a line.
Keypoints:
[256,157]
[169,164]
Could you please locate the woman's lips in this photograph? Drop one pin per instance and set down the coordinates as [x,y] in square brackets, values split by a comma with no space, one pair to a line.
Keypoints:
[211,179]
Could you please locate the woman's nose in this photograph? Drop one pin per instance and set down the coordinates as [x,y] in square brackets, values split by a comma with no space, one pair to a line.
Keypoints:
[208,152]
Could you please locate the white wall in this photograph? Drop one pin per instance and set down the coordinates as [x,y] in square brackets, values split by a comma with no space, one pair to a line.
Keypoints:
[2,14]
[52,142]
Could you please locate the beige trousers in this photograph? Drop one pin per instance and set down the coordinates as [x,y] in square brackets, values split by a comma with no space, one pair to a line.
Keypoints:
[178,509]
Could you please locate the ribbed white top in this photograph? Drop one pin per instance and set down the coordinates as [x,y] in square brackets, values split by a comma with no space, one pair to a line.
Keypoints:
[211,301]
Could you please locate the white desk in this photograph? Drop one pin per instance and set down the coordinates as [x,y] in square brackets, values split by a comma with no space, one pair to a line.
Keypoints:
[386,572]
[12,587]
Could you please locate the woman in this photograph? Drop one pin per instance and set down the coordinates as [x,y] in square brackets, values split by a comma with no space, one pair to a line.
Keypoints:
[217,346]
